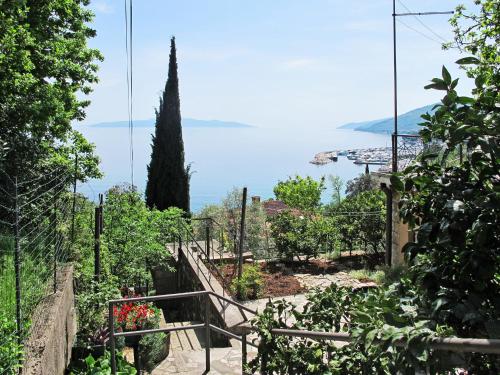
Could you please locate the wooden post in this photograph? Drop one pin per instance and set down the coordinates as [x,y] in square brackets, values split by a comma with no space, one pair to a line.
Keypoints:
[242,233]
[97,240]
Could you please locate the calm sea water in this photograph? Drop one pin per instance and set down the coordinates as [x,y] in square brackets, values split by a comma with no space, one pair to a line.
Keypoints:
[225,158]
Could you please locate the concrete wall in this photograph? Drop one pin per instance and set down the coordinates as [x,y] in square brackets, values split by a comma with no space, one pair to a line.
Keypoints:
[401,234]
[53,331]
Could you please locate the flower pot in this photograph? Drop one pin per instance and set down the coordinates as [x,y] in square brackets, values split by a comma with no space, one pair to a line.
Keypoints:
[132,341]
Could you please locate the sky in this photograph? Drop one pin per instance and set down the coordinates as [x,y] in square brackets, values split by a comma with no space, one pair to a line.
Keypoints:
[274,64]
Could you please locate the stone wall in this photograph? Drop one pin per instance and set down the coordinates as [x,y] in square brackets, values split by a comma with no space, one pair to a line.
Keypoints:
[53,331]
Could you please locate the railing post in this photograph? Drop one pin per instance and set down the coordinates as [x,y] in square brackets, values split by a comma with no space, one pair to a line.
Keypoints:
[111,324]
[242,236]
[243,352]
[207,332]
[17,265]
[207,239]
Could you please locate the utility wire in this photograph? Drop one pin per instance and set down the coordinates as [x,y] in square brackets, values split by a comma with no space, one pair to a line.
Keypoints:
[419,32]
[423,24]
[128,52]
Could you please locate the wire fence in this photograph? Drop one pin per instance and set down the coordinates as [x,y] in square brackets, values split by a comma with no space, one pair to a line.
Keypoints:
[36,214]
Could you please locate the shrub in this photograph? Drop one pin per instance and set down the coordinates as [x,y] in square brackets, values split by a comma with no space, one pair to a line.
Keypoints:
[102,366]
[152,350]
[251,283]
[10,350]
[295,235]
[301,193]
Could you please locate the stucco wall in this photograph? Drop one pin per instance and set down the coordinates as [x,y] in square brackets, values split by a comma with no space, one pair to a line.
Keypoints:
[53,331]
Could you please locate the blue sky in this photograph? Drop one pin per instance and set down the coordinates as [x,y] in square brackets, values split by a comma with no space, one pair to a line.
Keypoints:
[273,64]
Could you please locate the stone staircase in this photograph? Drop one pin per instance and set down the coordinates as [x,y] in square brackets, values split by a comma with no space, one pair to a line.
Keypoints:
[187,354]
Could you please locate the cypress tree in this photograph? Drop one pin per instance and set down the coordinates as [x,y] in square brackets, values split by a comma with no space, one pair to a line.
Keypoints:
[168,177]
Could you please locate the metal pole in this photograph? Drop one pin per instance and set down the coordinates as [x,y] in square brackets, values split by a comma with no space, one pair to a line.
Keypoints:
[242,232]
[111,328]
[207,239]
[207,332]
[97,244]
[395,72]
[17,263]
[54,260]
[73,210]
[243,352]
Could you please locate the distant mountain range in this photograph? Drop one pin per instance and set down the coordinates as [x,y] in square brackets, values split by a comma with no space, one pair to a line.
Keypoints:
[407,122]
[186,123]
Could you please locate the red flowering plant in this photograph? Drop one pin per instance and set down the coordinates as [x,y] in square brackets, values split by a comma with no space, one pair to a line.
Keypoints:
[133,316]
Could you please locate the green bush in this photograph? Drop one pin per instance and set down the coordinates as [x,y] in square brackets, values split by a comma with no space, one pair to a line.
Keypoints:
[251,283]
[102,366]
[10,350]
[295,235]
[153,350]
[300,193]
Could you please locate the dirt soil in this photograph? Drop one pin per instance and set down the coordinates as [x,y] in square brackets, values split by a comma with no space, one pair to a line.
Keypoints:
[276,283]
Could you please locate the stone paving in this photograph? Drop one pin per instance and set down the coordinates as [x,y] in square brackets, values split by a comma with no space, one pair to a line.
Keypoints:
[223,361]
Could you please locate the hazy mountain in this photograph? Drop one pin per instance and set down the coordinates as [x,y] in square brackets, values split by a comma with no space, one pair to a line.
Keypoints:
[407,122]
[186,123]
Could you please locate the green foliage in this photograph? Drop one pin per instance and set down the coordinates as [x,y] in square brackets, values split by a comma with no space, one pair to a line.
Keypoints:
[92,310]
[359,221]
[456,207]
[45,65]
[300,193]
[102,366]
[227,220]
[295,235]
[337,185]
[377,276]
[364,182]
[378,320]
[251,283]
[168,178]
[10,351]
[152,350]
[135,237]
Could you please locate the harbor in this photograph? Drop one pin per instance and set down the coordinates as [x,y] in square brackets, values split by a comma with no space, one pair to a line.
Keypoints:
[372,155]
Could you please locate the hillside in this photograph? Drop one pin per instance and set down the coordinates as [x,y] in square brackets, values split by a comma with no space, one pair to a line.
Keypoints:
[186,123]
[407,122]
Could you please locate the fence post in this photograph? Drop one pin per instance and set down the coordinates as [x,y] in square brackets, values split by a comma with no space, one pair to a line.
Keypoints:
[243,352]
[97,240]
[112,338]
[73,209]
[242,233]
[56,240]
[207,239]
[207,332]
[17,263]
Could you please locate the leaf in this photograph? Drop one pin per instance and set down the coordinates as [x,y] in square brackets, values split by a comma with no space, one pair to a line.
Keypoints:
[446,75]
[437,86]
[397,183]
[468,61]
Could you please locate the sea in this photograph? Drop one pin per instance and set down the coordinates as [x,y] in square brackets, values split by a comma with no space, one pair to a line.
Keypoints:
[224,158]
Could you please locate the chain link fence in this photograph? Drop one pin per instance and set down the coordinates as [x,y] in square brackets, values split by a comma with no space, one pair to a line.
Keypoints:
[35,230]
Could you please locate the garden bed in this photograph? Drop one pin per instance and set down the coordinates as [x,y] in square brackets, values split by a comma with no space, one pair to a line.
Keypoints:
[276,283]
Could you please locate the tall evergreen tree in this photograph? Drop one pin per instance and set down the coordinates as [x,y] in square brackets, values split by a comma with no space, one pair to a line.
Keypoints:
[168,177]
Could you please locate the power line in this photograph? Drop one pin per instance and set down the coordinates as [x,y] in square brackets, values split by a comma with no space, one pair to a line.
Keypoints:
[419,32]
[129,53]
[415,15]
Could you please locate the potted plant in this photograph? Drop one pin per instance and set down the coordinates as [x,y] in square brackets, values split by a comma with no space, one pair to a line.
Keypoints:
[135,316]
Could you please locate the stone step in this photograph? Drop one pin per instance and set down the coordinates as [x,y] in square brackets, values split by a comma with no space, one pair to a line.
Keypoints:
[186,340]
[223,361]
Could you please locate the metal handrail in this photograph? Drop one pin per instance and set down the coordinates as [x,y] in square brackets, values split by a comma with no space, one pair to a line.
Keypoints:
[206,257]
[454,344]
[206,324]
